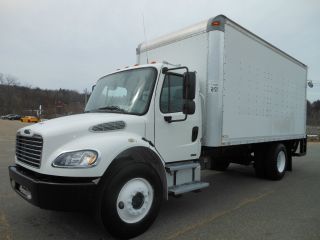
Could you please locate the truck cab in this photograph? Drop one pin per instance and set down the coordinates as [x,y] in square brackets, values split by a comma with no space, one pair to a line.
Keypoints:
[138,140]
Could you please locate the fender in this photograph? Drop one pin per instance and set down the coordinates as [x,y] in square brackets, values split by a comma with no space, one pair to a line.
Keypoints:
[140,154]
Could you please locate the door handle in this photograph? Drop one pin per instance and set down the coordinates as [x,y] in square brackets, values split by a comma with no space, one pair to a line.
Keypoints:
[168,119]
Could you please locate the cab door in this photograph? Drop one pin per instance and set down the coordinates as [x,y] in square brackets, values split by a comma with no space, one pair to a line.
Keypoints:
[178,140]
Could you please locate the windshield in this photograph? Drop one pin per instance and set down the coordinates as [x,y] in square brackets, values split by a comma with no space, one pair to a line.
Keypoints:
[124,92]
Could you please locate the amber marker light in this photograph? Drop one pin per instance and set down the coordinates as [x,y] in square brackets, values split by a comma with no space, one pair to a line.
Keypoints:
[215,23]
[91,160]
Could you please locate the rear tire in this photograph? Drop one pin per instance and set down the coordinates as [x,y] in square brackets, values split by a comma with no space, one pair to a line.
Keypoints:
[259,163]
[219,164]
[289,162]
[130,200]
[276,163]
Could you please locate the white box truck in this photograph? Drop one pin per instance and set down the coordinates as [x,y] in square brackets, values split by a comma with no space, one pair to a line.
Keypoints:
[216,93]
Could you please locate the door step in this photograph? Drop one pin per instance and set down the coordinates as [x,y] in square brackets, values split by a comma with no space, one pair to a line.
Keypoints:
[181,166]
[187,187]
[184,177]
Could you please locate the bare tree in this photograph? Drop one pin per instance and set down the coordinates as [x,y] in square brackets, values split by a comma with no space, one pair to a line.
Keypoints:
[1,78]
[11,81]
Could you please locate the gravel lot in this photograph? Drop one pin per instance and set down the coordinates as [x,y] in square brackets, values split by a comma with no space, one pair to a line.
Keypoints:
[236,206]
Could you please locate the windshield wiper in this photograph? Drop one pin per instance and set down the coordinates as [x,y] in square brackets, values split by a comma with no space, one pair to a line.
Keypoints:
[111,108]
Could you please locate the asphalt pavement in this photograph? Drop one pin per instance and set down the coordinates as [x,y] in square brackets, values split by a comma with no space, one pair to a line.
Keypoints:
[237,205]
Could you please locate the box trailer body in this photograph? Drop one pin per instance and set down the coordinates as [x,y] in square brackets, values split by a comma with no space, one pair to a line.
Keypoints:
[217,94]
[252,91]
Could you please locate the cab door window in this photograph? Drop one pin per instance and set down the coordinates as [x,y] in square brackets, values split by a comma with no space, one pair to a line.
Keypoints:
[171,98]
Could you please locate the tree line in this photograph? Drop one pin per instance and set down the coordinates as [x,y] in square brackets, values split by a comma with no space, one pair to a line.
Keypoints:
[25,100]
[313,113]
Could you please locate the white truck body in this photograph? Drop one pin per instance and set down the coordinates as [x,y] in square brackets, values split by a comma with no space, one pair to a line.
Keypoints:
[148,129]
[252,91]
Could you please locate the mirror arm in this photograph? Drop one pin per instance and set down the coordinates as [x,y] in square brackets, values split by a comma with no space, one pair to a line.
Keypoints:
[165,69]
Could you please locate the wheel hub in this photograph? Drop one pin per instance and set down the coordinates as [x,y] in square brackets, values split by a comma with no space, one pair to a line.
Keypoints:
[281,161]
[134,200]
[137,200]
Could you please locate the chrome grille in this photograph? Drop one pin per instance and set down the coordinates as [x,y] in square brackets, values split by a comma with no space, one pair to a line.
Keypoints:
[29,149]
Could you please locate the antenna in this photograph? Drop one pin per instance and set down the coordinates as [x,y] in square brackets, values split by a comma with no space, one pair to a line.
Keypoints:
[145,36]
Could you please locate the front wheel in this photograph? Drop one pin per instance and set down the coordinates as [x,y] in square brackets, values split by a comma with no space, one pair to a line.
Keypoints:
[131,200]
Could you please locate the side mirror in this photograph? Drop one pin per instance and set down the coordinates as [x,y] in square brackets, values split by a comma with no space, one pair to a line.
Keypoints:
[189,107]
[93,87]
[189,85]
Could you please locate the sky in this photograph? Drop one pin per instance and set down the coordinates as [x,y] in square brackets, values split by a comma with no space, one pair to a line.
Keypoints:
[71,43]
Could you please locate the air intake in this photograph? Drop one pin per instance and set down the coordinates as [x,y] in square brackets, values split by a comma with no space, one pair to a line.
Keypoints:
[110,126]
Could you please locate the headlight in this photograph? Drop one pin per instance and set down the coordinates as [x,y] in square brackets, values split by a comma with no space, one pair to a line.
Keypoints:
[77,159]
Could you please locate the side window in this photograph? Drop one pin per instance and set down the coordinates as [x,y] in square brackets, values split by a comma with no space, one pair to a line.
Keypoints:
[171,94]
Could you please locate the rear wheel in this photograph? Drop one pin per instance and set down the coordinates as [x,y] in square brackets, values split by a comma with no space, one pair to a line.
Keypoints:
[276,163]
[131,200]
[259,163]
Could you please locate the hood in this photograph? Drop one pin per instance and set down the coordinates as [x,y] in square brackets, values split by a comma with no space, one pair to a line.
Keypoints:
[102,132]
[75,126]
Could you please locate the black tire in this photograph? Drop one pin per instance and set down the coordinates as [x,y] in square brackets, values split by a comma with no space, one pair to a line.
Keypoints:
[259,163]
[274,170]
[112,185]
[219,164]
[289,162]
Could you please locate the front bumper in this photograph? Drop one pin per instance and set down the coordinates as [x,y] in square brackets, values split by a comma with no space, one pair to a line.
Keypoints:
[50,192]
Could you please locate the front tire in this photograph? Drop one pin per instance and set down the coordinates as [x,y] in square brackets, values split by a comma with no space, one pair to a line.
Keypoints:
[131,200]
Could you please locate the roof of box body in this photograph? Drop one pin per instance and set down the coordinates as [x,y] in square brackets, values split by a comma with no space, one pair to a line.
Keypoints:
[202,27]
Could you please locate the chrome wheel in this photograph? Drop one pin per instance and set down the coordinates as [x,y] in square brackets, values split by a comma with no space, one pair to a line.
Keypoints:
[281,161]
[134,200]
